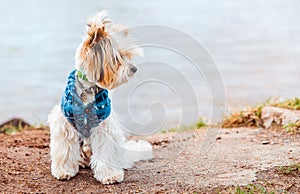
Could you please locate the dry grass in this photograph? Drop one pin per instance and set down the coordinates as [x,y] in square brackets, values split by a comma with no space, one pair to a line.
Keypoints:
[292,127]
[18,125]
[292,103]
[201,123]
[251,116]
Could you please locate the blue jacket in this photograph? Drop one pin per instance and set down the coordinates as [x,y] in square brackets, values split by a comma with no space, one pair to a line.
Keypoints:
[84,117]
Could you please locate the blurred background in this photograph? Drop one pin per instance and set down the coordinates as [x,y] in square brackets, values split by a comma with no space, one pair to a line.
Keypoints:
[255,45]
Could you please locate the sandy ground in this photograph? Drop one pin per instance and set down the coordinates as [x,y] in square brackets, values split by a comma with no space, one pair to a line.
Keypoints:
[237,157]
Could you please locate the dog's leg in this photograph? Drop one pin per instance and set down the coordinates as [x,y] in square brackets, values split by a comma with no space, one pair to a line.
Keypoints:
[108,161]
[85,153]
[64,146]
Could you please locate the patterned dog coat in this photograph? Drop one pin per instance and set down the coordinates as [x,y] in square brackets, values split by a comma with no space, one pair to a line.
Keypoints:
[84,117]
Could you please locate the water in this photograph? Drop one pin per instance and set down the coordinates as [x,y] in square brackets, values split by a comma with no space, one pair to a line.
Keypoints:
[254,44]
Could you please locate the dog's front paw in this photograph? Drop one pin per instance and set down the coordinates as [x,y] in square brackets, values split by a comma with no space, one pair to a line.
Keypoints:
[61,174]
[111,177]
[116,178]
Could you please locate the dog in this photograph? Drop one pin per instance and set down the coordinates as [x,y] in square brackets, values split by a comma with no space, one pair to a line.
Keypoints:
[83,130]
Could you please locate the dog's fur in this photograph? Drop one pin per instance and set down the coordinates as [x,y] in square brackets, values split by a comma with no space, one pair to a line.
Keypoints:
[105,57]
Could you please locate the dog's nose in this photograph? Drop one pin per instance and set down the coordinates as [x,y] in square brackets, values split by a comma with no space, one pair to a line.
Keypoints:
[133,69]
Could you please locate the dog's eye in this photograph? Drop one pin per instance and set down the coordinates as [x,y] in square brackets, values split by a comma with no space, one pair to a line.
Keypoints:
[126,56]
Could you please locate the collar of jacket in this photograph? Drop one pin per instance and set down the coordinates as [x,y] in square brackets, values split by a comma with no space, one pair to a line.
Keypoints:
[81,75]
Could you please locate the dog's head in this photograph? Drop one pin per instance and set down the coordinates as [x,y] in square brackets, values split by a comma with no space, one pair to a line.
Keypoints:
[106,53]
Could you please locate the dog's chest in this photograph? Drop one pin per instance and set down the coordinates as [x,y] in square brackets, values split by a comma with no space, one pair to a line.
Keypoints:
[85,92]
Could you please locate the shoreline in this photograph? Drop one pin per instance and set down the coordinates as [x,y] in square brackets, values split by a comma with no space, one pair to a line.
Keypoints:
[246,117]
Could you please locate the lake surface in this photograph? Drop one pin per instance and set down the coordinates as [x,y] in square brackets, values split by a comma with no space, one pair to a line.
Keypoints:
[254,44]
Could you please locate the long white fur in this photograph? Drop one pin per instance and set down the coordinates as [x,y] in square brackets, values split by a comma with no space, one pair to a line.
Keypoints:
[137,150]
[64,146]
[111,154]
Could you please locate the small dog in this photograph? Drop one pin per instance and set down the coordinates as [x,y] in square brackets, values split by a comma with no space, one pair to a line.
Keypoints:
[83,132]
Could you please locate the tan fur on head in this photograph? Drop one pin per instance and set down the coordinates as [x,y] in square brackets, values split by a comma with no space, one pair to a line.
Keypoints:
[94,35]
[95,31]
[106,52]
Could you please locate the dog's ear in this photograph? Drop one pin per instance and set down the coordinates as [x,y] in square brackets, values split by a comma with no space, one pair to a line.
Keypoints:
[127,45]
[95,34]
[96,30]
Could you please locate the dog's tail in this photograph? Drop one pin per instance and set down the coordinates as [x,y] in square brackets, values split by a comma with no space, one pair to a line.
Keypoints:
[137,150]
